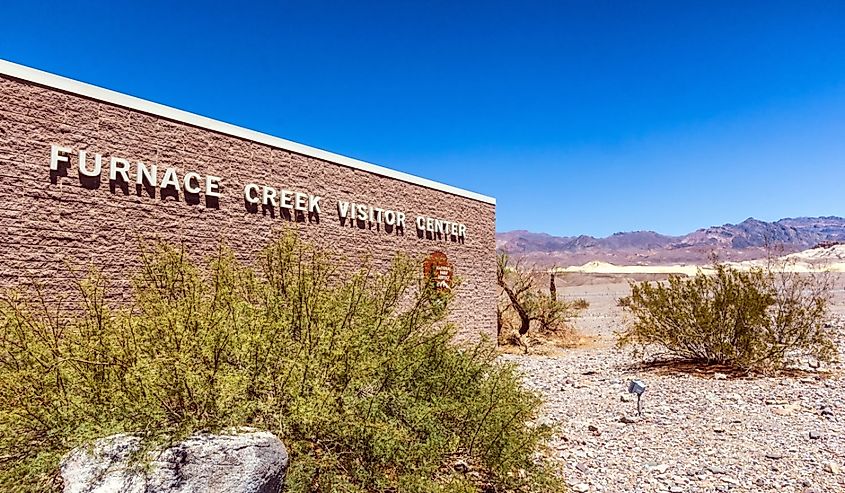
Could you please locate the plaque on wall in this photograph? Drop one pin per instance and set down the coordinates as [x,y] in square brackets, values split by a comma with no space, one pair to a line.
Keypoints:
[438,269]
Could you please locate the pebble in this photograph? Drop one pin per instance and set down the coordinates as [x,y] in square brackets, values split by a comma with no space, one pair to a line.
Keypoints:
[460,466]
[787,409]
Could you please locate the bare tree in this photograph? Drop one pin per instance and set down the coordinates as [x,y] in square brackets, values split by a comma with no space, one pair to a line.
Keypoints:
[529,302]
[517,285]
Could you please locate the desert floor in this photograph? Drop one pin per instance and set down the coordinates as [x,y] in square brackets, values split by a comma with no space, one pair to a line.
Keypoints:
[702,430]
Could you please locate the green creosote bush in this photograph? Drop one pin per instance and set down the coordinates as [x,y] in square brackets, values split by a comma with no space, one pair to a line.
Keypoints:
[357,374]
[760,319]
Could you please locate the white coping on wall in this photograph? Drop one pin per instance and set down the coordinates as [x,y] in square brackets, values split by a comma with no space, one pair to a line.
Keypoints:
[106,95]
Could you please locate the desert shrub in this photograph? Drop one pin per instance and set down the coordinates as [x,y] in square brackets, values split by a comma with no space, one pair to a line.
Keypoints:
[356,373]
[523,305]
[760,318]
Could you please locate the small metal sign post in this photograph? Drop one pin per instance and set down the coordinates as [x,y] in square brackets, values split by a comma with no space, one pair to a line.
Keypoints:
[637,387]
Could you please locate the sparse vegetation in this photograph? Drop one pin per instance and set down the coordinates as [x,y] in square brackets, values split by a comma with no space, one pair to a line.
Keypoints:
[356,373]
[760,318]
[522,305]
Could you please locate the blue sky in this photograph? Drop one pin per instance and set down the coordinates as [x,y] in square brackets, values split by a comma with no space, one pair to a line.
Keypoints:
[584,117]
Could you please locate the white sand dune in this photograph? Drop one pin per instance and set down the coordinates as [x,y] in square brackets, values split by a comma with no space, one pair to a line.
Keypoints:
[830,259]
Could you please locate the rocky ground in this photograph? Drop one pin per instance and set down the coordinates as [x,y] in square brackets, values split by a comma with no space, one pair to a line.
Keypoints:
[700,430]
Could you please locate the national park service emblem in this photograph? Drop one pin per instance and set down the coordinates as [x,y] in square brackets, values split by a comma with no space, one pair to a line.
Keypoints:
[438,271]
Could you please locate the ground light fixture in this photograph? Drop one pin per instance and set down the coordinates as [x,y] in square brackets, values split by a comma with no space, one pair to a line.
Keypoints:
[637,387]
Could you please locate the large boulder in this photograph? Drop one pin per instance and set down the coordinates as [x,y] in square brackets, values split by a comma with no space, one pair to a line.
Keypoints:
[246,461]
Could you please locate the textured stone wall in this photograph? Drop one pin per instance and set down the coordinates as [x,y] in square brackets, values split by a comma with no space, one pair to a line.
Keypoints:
[50,221]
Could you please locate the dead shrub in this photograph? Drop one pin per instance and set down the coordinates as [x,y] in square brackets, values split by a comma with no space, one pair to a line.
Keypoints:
[523,306]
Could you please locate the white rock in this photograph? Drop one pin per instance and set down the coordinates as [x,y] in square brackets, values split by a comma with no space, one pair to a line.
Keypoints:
[248,461]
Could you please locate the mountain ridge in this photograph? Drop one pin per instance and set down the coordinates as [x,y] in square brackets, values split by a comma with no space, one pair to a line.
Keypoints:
[749,239]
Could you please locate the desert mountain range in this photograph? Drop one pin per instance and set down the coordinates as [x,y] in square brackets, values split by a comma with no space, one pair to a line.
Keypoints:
[748,240]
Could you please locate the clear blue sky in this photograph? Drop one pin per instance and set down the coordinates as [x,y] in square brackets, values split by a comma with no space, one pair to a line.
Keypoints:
[584,117]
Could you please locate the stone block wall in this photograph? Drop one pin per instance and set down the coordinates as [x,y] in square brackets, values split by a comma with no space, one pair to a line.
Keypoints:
[55,219]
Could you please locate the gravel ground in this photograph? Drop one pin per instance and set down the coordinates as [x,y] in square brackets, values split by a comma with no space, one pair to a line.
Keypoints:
[699,431]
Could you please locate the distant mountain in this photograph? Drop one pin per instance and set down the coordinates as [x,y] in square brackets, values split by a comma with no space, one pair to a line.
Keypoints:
[747,240]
